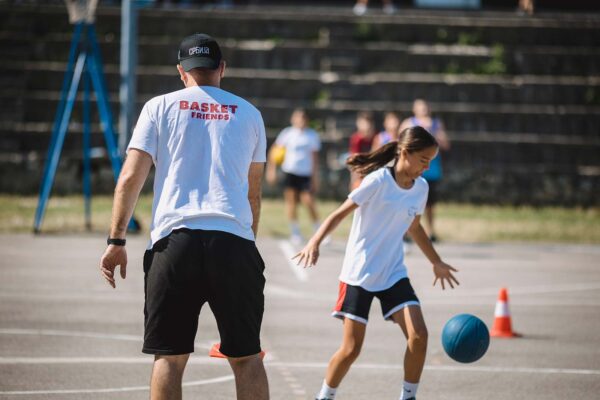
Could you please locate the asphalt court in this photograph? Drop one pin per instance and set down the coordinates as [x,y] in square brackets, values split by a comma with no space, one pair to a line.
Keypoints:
[65,334]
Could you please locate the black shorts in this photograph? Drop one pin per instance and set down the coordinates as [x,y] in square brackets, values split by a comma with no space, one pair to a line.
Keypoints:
[354,302]
[297,182]
[190,267]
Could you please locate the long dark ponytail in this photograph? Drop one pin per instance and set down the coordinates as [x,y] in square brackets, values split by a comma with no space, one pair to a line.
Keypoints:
[411,139]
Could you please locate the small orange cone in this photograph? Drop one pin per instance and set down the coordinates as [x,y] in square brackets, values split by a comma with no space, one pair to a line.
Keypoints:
[502,324]
[216,352]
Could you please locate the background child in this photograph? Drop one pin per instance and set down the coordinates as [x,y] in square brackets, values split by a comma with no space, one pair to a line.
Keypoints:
[361,141]
[301,169]
[374,260]
[391,123]
[422,117]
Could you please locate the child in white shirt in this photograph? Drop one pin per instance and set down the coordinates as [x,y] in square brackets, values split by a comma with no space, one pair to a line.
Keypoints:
[387,204]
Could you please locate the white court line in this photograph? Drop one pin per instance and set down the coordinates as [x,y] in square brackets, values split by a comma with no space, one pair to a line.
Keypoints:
[452,368]
[280,364]
[116,390]
[464,296]
[527,290]
[53,332]
[197,360]
[282,291]
[82,334]
[289,252]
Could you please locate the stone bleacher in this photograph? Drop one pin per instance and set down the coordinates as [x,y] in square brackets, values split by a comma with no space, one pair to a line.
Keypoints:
[520,96]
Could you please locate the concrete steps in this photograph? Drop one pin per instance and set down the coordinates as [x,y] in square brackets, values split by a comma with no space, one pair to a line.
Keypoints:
[581,121]
[344,57]
[312,23]
[316,85]
[528,107]
[520,97]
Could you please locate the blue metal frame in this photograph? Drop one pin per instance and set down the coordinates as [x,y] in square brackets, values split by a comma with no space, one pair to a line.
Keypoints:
[87,145]
[84,60]
[127,90]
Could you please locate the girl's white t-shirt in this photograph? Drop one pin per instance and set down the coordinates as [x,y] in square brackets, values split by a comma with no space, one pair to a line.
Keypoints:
[299,147]
[202,140]
[374,258]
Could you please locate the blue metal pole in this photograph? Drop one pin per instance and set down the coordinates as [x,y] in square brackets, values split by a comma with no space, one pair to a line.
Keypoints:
[105,118]
[73,51]
[67,80]
[127,90]
[56,145]
[87,144]
[95,68]
[96,73]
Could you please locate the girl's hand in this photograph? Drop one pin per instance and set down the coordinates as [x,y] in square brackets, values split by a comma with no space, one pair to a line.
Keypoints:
[309,255]
[443,272]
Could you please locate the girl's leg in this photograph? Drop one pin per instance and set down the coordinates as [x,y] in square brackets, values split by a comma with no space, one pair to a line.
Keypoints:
[353,337]
[412,323]
[309,202]
[308,199]
[291,206]
[291,195]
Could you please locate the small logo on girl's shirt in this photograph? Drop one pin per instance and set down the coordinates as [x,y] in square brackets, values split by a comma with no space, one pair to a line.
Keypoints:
[412,211]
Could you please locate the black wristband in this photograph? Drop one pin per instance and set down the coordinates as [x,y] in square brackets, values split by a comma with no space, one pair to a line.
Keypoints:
[115,242]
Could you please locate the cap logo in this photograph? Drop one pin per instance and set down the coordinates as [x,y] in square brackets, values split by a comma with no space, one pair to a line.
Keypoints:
[199,50]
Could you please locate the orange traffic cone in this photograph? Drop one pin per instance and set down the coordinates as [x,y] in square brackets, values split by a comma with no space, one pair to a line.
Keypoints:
[502,323]
[216,352]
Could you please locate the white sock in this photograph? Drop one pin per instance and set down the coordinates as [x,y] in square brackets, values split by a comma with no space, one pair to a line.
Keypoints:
[326,392]
[409,390]
[295,228]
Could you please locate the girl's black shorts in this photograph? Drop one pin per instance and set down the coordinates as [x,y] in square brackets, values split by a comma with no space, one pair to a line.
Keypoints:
[354,302]
[297,182]
[191,267]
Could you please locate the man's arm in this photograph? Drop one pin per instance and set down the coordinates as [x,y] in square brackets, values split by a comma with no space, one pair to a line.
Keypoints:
[255,175]
[133,175]
[132,178]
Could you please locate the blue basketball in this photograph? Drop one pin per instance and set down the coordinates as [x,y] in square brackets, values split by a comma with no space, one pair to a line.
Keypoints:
[465,338]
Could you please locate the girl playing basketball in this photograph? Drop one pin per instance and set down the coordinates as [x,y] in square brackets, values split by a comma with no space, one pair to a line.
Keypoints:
[387,204]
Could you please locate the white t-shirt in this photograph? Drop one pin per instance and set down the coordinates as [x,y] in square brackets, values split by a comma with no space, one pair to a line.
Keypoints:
[374,258]
[202,140]
[299,147]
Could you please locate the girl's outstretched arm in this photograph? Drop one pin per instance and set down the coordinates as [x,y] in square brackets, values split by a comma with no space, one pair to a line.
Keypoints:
[310,253]
[441,270]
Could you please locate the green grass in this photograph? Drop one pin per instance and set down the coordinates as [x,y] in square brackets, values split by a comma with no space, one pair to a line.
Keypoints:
[454,222]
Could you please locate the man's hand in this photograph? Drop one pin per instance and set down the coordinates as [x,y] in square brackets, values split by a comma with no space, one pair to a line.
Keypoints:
[135,170]
[113,256]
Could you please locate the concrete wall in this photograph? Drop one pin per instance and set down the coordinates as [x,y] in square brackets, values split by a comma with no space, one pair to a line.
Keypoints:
[520,97]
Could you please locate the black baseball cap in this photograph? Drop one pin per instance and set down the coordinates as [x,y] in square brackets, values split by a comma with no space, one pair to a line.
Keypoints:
[199,51]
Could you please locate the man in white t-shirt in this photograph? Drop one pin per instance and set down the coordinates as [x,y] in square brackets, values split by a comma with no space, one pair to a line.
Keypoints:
[208,147]
[301,170]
